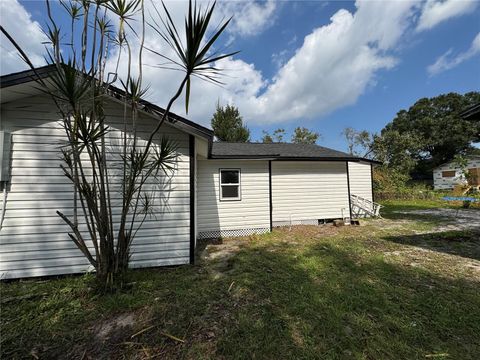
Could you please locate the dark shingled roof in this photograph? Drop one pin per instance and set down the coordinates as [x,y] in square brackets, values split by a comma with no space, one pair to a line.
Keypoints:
[226,150]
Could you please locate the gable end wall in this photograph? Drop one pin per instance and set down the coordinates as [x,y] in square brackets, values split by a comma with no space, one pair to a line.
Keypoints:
[33,239]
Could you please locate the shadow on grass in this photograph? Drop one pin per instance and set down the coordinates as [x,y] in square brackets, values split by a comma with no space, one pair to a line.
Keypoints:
[392,208]
[462,243]
[330,303]
[271,300]
[422,219]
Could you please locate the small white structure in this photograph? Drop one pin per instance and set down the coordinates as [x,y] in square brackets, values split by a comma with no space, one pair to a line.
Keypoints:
[217,189]
[447,175]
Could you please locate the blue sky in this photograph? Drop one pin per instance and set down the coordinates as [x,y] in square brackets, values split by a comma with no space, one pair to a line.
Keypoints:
[322,65]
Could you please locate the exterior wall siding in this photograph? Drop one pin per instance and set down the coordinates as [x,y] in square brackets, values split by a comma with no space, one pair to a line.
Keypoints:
[238,217]
[447,183]
[304,192]
[33,239]
[360,179]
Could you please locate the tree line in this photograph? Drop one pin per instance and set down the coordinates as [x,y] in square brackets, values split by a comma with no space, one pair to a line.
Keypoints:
[427,134]
[417,140]
[227,125]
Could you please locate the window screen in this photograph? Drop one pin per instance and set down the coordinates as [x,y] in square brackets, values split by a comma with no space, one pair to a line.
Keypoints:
[229,184]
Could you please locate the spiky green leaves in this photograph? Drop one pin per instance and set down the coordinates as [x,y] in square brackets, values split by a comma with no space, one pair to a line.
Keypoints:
[124,9]
[70,87]
[133,89]
[164,157]
[141,164]
[72,8]
[194,55]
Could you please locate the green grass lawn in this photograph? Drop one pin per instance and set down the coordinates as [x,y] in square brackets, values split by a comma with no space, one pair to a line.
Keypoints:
[378,291]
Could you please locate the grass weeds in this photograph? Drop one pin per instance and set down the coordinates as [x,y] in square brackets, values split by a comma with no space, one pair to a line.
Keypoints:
[381,291]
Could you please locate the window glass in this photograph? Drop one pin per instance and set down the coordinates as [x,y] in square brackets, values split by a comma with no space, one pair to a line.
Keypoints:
[230,191]
[448,173]
[229,184]
[230,176]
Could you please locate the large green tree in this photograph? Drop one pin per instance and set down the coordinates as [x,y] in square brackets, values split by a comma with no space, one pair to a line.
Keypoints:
[431,132]
[395,149]
[227,125]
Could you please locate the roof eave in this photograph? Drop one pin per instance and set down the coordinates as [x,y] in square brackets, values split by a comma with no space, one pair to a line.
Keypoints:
[25,76]
[290,158]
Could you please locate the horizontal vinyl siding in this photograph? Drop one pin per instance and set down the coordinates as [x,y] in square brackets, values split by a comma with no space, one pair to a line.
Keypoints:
[308,190]
[252,211]
[33,239]
[360,179]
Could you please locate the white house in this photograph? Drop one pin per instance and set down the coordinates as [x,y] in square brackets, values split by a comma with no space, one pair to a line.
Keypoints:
[447,175]
[217,189]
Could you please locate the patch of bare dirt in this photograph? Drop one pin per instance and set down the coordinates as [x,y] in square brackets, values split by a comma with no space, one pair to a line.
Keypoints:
[108,326]
[113,335]
[218,254]
[224,249]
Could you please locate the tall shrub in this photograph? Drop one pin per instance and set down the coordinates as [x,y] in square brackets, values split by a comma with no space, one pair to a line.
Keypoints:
[79,87]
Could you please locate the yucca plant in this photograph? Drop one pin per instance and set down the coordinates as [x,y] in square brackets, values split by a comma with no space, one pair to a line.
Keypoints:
[79,87]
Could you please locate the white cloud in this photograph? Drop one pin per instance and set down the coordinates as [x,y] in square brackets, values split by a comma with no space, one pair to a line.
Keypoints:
[26,32]
[292,41]
[279,59]
[333,67]
[436,11]
[336,63]
[242,80]
[448,61]
[249,17]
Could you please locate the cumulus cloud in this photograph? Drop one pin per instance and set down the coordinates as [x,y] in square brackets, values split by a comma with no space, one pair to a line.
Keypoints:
[332,67]
[241,80]
[26,32]
[436,11]
[336,62]
[249,17]
[448,60]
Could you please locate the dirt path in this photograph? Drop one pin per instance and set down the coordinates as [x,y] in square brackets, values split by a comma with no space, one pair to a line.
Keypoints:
[453,219]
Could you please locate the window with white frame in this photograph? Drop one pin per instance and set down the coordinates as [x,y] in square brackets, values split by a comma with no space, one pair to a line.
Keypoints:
[230,184]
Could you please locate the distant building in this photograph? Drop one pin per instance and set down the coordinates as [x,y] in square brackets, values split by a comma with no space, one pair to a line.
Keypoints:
[447,175]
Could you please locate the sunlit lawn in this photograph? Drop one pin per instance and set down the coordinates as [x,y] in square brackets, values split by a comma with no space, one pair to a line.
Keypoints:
[379,291]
